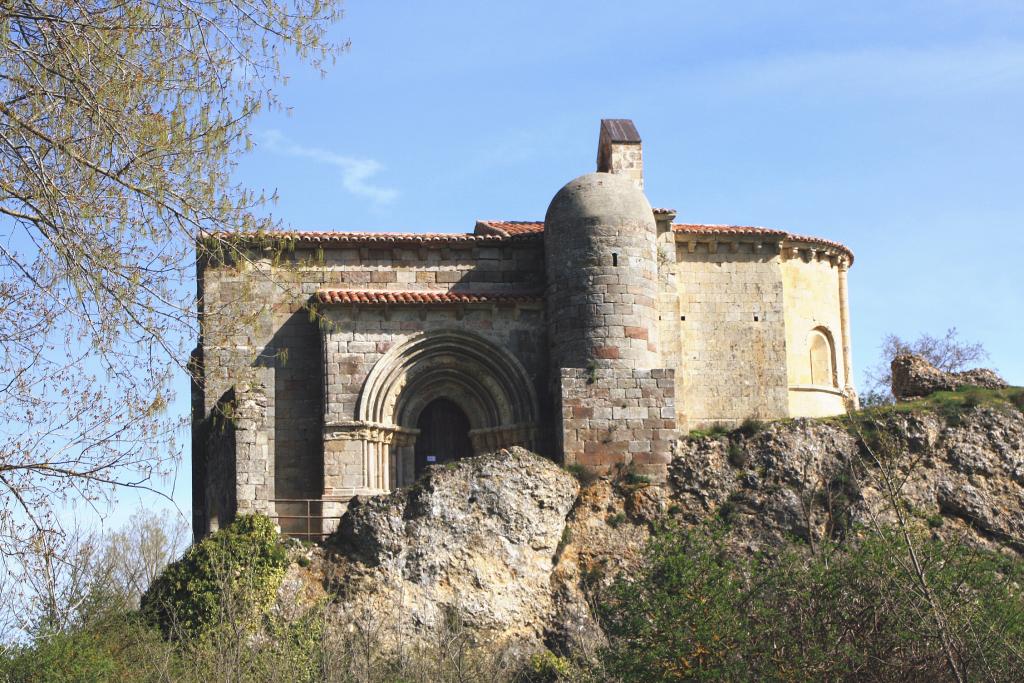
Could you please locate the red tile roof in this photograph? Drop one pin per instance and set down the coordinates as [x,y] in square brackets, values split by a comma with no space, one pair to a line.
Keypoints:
[334,238]
[515,228]
[510,228]
[382,296]
[705,229]
[500,231]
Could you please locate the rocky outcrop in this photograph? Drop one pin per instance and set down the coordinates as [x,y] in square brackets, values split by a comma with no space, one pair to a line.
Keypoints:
[475,540]
[512,549]
[960,474]
[915,377]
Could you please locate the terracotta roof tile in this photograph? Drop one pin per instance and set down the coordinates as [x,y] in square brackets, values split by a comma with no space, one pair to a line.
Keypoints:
[511,228]
[706,229]
[500,231]
[332,238]
[382,296]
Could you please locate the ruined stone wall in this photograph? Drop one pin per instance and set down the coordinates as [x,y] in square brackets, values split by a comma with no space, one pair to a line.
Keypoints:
[731,332]
[812,302]
[256,331]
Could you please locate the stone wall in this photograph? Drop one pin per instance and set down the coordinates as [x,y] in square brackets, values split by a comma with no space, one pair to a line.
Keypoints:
[213,466]
[731,332]
[356,340]
[298,409]
[729,317]
[618,416]
[255,329]
[812,302]
[243,307]
[628,160]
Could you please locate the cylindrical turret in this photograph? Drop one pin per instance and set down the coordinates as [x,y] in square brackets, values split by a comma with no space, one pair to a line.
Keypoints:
[600,249]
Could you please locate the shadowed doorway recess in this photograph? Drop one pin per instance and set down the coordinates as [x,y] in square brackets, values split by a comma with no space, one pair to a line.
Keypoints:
[444,434]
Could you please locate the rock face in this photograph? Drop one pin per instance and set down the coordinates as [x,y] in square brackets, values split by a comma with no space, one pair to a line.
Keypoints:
[964,477]
[915,377]
[475,539]
[511,548]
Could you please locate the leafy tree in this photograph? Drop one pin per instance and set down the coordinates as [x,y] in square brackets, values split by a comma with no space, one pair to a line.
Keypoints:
[120,123]
[948,353]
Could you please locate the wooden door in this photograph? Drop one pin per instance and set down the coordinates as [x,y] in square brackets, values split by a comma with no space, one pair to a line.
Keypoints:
[444,434]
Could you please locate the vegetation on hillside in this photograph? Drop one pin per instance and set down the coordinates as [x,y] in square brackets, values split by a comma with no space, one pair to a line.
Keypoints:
[694,610]
[697,611]
[236,569]
[899,599]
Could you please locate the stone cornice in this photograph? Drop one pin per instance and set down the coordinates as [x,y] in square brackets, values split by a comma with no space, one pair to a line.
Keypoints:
[714,234]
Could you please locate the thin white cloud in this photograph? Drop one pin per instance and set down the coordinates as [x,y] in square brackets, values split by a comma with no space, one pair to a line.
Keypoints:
[356,174]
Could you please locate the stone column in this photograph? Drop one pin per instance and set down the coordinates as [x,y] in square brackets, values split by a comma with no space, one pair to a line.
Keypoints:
[668,292]
[844,317]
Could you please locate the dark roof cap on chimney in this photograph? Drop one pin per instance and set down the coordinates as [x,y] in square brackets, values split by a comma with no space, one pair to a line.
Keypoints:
[620,130]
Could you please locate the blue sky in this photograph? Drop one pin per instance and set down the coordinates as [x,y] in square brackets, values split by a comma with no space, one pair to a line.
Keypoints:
[894,127]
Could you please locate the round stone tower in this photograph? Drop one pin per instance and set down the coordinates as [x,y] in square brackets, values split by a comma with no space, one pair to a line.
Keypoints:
[600,252]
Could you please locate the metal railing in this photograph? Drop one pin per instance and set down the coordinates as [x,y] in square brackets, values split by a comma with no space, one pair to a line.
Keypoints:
[301,523]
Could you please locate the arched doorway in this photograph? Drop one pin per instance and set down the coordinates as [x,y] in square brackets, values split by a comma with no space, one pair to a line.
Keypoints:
[491,392]
[444,434]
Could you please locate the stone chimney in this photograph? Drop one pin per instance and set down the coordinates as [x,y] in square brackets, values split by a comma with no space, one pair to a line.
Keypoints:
[618,150]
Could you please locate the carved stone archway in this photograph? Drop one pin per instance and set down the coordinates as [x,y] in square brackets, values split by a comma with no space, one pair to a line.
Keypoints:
[486,382]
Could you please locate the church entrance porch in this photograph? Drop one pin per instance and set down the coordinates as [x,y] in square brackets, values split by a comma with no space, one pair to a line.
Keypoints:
[434,397]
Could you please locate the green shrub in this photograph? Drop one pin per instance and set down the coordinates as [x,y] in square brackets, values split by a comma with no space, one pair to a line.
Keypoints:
[683,615]
[750,426]
[634,479]
[737,455]
[696,610]
[114,647]
[971,400]
[75,656]
[565,540]
[233,574]
[713,431]
[616,520]
[728,508]
[547,667]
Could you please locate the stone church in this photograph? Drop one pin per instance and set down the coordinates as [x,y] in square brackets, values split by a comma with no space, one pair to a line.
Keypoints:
[335,364]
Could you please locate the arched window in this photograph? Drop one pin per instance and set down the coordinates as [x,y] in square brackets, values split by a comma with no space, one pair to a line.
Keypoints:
[822,358]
